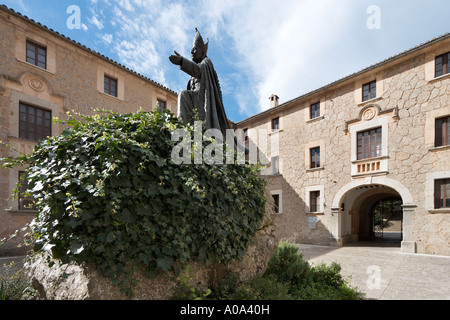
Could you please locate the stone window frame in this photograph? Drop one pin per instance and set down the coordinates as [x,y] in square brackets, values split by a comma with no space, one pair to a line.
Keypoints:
[379,119]
[307,108]
[314,110]
[38,135]
[430,64]
[316,157]
[360,82]
[429,191]
[161,104]
[371,91]
[375,137]
[105,70]
[321,190]
[445,140]
[36,47]
[444,64]
[110,85]
[275,124]
[23,36]
[430,128]
[278,193]
[311,145]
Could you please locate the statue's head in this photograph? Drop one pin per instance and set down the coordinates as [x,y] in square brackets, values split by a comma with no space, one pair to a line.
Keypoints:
[199,48]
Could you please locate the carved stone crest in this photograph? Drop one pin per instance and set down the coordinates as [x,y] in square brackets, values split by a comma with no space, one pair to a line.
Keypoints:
[368,114]
[36,84]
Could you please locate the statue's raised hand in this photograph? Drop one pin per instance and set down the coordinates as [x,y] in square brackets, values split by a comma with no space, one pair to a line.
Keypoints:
[176,59]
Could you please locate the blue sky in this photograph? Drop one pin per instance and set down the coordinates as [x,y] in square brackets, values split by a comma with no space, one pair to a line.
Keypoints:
[258,47]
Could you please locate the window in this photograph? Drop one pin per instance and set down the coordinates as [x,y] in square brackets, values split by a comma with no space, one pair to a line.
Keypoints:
[275,124]
[161,105]
[36,55]
[315,157]
[275,165]
[442,132]
[25,202]
[442,64]
[246,134]
[315,110]
[110,86]
[369,91]
[314,203]
[276,201]
[34,123]
[369,144]
[442,193]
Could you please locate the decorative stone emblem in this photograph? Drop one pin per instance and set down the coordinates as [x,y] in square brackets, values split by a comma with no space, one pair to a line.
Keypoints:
[36,84]
[368,114]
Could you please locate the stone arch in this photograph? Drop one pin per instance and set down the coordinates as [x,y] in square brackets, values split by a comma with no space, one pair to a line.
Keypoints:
[408,207]
[394,184]
[35,84]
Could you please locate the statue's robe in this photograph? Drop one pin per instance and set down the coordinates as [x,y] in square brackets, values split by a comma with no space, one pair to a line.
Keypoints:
[203,96]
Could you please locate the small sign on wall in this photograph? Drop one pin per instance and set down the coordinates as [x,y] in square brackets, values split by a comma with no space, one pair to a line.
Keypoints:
[312,222]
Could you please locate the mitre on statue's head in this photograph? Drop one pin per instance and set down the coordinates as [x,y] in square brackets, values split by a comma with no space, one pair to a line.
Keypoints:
[198,42]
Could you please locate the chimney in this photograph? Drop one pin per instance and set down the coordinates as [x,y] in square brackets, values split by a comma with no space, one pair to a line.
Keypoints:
[273,101]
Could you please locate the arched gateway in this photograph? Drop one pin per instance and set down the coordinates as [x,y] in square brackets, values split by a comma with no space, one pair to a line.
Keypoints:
[351,203]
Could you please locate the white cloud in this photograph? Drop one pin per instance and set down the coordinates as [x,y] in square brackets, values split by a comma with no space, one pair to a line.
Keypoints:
[96,22]
[263,47]
[107,38]
[277,45]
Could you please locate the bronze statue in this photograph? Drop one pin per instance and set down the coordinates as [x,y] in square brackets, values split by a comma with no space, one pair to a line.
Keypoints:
[203,98]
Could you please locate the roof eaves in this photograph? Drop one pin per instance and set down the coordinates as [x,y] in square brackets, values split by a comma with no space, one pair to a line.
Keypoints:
[81,46]
[376,65]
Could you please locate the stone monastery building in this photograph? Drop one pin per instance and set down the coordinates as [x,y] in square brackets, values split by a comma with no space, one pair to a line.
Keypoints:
[379,136]
[365,157]
[44,74]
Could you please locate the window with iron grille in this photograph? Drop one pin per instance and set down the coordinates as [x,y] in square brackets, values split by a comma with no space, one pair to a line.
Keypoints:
[315,110]
[369,144]
[369,91]
[275,124]
[315,157]
[110,86]
[442,132]
[314,197]
[36,54]
[442,193]
[275,165]
[442,64]
[161,105]
[276,200]
[25,202]
[34,123]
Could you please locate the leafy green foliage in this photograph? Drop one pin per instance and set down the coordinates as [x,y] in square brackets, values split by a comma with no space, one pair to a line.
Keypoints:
[288,264]
[108,194]
[287,277]
[14,285]
[261,287]
[307,282]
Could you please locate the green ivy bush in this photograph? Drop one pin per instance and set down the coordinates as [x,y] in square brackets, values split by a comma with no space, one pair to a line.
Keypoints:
[308,282]
[287,277]
[109,194]
[14,285]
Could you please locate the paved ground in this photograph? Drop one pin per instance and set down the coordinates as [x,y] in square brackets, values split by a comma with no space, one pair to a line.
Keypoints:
[385,273]
[379,270]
